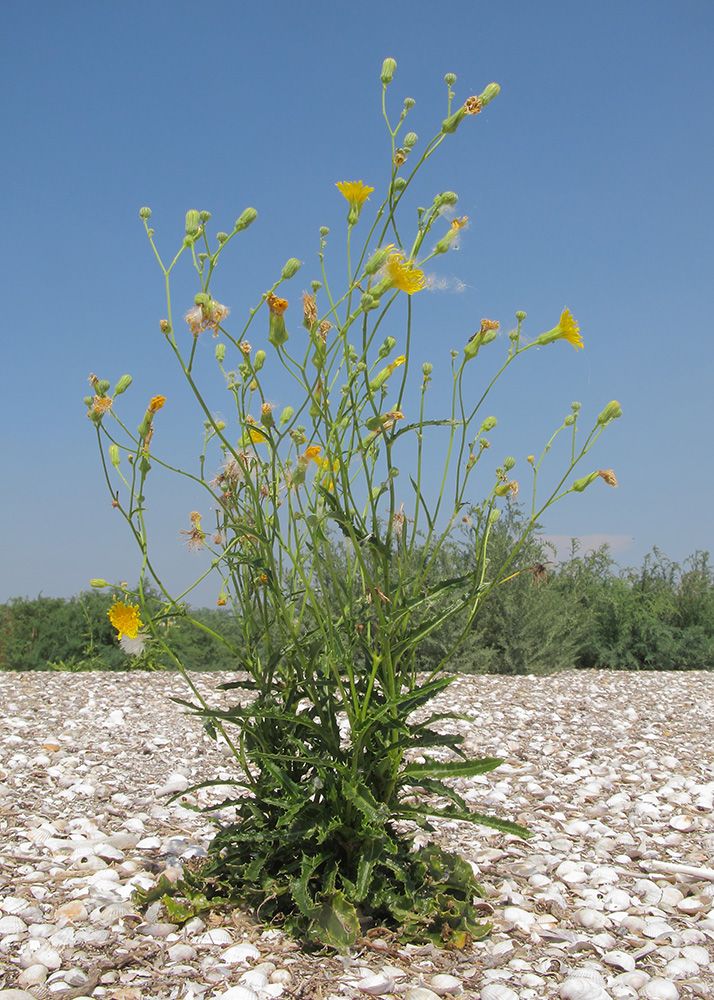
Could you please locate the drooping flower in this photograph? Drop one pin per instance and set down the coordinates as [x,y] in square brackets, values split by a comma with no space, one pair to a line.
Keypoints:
[195,535]
[356,194]
[125,618]
[567,329]
[207,314]
[312,452]
[256,435]
[134,645]
[608,475]
[402,274]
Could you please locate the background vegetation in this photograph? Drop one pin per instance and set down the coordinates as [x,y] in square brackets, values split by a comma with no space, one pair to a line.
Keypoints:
[588,613]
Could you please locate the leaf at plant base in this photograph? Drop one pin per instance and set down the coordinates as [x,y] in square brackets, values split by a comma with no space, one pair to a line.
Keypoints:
[337,922]
[451,768]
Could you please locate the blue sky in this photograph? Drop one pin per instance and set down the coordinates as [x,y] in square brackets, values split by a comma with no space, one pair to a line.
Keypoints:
[587,183]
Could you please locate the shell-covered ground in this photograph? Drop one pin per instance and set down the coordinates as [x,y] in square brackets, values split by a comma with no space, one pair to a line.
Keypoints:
[612,897]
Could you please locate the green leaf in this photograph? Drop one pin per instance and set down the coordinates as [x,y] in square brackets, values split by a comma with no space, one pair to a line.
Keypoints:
[337,922]
[358,793]
[450,768]
[446,812]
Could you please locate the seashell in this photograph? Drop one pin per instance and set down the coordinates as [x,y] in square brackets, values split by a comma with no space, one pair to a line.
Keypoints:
[71,977]
[238,954]
[281,976]
[681,968]
[376,986]
[39,952]
[254,978]
[633,924]
[692,904]
[33,975]
[581,989]
[683,823]
[445,985]
[604,875]
[516,917]
[13,904]
[238,993]
[658,930]
[175,783]
[181,952]
[497,991]
[635,980]
[71,911]
[695,953]
[422,993]
[660,989]
[589,973]
[108,852]
[589,918]
[617,899]
[215,936]
[12,925]
[620,959]
[648,891]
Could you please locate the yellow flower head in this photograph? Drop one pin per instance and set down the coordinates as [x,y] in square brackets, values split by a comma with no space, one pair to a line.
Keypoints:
[311,452]
[402,274]
[457,224]
[356,194]
[101,404]
[125,619]
[567,329]
[608,475]
[156,403]
[277,306]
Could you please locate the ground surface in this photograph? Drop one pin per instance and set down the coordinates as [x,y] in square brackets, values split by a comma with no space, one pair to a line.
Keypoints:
[612,772]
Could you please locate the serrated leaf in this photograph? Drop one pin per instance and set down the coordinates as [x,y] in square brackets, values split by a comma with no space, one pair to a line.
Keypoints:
[337,922]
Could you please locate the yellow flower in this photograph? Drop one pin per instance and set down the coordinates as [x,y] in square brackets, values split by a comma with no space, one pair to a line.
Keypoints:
[381,377]
[311,452]
[328,482]
[457,224]
[102,403]
[125,619]
[402,274]
[567,329]
[608,475]
[156,403]
[356,194]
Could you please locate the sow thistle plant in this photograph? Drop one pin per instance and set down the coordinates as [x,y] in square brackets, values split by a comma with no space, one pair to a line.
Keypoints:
[327,556]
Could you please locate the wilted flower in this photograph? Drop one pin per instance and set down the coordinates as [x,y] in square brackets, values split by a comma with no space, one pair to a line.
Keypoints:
[102,404]
[125,618]
[309,310]
[134,645]
[472,105]
[206,315]
[381,377]
[567,329]
[398,519]
[196,537]
[277,334]
[608,475]
[356,194]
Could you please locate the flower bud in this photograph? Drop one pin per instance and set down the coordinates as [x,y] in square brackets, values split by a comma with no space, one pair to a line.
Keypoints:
[88,401]
[222,238]
[471,349]
[612,411]
[99,583]
[245,219]
[451,123]
[410,139]
[368,302]
[388,68]
[259,360]
[509,463]
[266,415]
[291,268]
[427,368]
[193,222]
[488,424]
[569,420]
[324,231]
[494,515]
[145,213]
[502,490]
[287,415]
[445,198]
[377,260]
[316,286]
[204,216]
[409,103]
[388,345]
[520,315]
[165,327]
[399,184]
[220,353]
[122,385]
[450,79]
[575,407]
[102,387]
[530,459]
[114,456]
[580,484]
[493,90]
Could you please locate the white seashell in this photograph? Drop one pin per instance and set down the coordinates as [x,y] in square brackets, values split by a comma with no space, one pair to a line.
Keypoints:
[12,925]
[108,852]
[617,899]
[39,952]
[604,875]
[633,924]
[176,782]
[660,989]
[13,904]
[589,918]
[422,993]
[376,986]
[683,823]
[588,973]
[181,952]
[238,993]
[216,935]
[646,890]
[280,976]
[238,954]
[695,953]
[497,991]
[635,980]
[658,930]
[681,968]
[691,904]
[445,985]
[254,978]
[620,959]
[580,989]
[516,917]
[33,975]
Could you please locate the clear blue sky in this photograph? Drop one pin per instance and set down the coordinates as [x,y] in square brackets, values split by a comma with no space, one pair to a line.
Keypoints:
[588,183]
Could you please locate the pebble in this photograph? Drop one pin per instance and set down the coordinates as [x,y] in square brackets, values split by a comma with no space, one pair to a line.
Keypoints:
[611,899]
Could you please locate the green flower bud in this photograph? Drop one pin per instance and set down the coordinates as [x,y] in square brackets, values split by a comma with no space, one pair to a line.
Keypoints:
[114,456]
[569,420]
[410,139]
[388,346]
[493,90]
[575,407]
[494,515]
[388,68]
[122,385]
[204,216]
[450,79]
[612,411]
[502,490]
[145,213]
[88,400]
[324,231]
[451,123]
[220,353]
[368,302]
[98,583]
[290,268]
[471,349]
[202,257]
[445,198]
[580,484]
[377,260]
[202,299]
[509,463]
[520,315]
[393,473]
[102,387]
[488,336]
[399,184]
[409,103]
[488,424]
[287,415]
[222,238]
[151,232]
[193,222]
[316,286]
[427,368]
[259,360]
[246,218]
